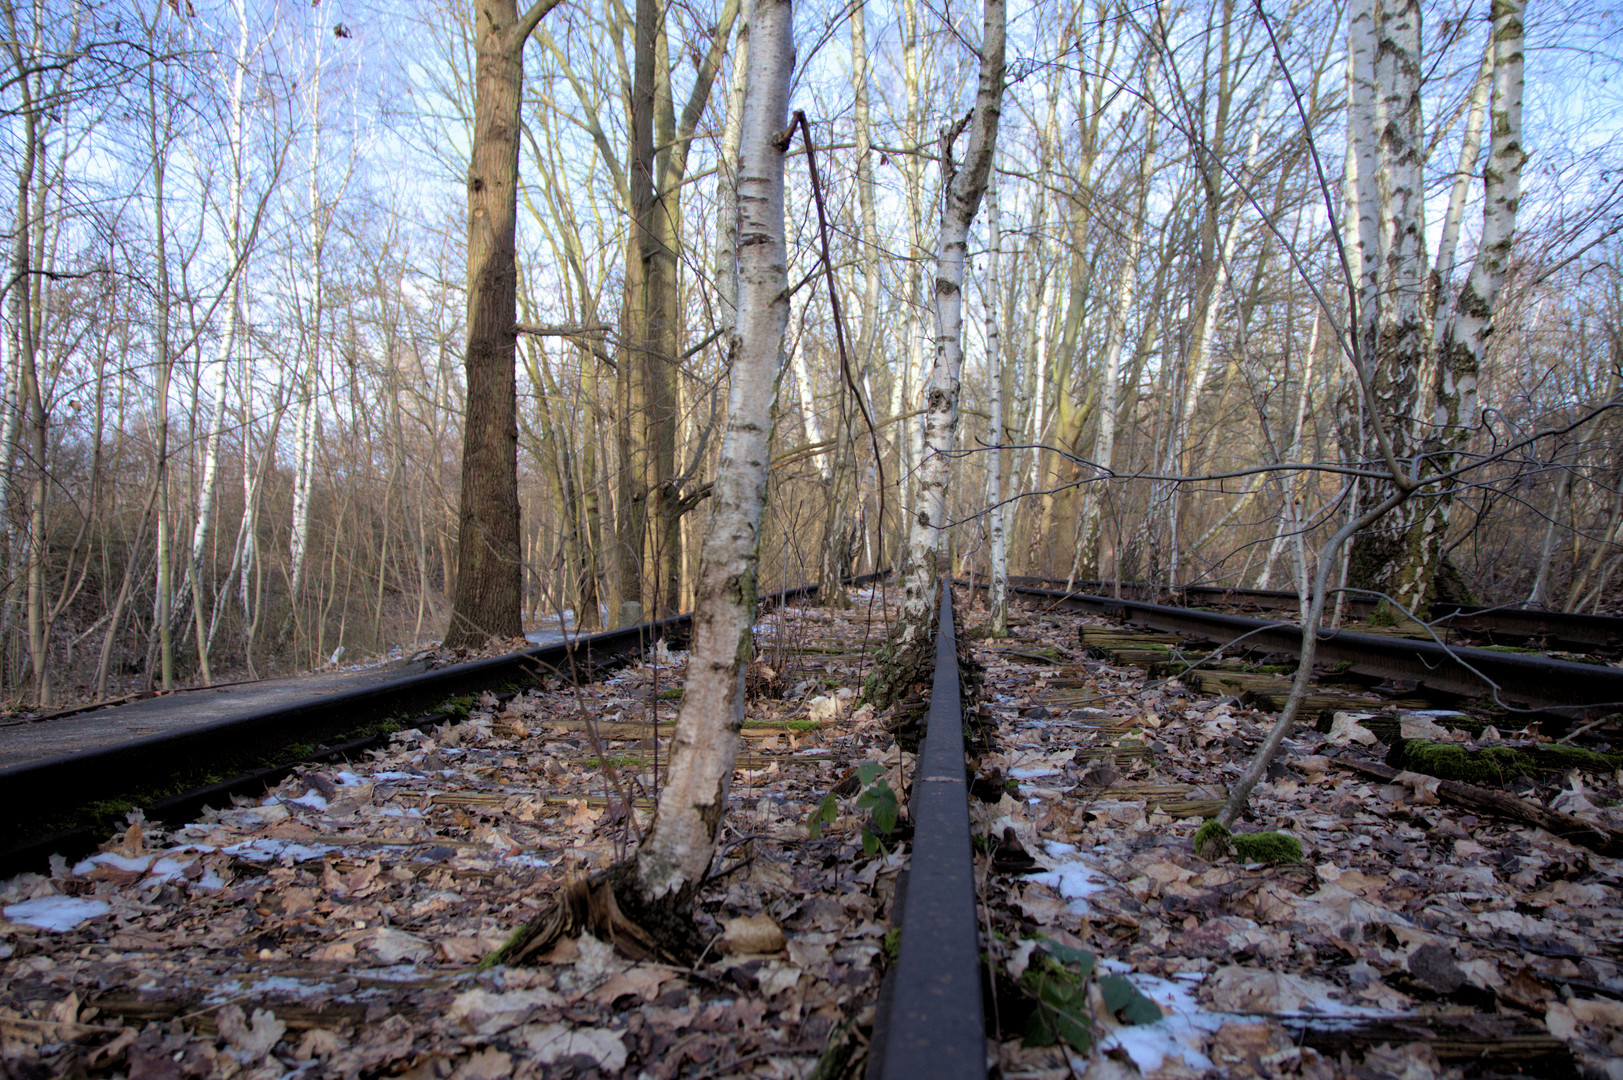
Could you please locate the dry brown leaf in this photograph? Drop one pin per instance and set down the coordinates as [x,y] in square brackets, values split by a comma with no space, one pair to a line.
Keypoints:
[752,934]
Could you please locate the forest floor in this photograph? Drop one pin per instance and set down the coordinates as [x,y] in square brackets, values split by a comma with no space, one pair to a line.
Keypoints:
[335,926]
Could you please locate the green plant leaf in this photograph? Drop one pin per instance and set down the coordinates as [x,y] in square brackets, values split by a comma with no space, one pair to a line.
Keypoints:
[826,812]
[1123,999]
[1080,959]
[868,772]
[1049,1024]
[870,842]
[882,801]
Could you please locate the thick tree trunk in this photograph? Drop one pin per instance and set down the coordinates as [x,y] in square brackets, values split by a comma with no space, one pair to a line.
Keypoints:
[489,571]
[908,647]
[677,850]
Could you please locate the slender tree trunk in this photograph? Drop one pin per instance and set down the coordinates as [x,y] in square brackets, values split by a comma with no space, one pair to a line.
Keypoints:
[909,643]
[675,854]
[998,594]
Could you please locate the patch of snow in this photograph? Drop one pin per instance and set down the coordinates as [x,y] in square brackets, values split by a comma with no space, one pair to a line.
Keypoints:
[127,863]
[1180,1032]
[390,774]
[526,860]
[311,799]
[1075,881]
[1032,774]
[349,779]
[399,811]
[269,849]
[58,914]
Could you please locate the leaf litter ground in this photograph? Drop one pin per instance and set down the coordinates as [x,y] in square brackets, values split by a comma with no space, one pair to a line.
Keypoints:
[335,926]
[1414,940]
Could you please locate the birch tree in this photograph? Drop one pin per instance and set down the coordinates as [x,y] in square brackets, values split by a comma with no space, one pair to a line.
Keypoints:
[998,594]
[908,649]
[676,852]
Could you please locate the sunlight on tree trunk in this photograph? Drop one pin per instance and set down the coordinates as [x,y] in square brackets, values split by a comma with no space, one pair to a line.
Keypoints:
[676,852]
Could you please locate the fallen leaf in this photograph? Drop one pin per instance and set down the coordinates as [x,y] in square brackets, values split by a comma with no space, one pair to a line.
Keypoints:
[1346,729]
[551,1043]
[485,1065]
[485,1013]
[393,946]
[251,1040]
[752,934]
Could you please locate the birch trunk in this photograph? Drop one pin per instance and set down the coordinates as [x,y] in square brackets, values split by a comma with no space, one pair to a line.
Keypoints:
[726,257]
[908,645]
[998,595]
[676,852]
[1464,339]
[304,441]
[845,494]
[211,449]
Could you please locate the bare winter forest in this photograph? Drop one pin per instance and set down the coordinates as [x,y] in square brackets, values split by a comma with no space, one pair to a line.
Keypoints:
[1241,281]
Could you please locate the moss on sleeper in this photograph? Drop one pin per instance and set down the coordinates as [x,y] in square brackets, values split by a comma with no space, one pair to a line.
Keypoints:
[1493,765]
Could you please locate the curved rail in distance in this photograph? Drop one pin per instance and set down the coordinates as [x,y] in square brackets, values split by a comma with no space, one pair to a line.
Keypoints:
[1537,681]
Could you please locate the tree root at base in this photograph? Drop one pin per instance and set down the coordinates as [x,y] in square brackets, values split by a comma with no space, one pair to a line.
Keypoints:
[605,905]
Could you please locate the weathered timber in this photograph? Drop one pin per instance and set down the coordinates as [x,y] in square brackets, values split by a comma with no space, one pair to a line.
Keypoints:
[1504,806]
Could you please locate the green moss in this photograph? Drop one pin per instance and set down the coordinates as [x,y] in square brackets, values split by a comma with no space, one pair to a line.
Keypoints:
[792,725]
[1213,840]
[893,943]
[1383,615]
[598,763]
[673,694]
[1491,765]
[1267,847]
[458,707]
[1560,756]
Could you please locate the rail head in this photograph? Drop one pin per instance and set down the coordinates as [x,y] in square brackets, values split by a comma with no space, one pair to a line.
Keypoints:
[936,1029]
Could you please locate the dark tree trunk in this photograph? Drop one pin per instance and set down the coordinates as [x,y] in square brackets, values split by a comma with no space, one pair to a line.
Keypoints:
[489,576]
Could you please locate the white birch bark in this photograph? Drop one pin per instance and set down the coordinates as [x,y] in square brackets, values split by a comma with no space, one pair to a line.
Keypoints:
[677,850]
[963,193]
[998,602]
[726,258]
[304,442]
[211,448]
[1361,156]
[1464,339]
[1470,149]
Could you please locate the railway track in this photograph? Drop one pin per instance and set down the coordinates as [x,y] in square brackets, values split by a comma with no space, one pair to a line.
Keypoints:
[1564,689]
[1051,906]
[63,803]
[1502,625]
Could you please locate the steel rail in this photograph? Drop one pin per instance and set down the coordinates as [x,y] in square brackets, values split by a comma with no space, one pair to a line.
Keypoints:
[36,797]
[1558,628]
[934,1027]
[1535,681]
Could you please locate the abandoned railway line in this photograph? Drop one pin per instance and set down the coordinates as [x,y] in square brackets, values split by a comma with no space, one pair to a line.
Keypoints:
[1459,889]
